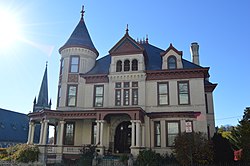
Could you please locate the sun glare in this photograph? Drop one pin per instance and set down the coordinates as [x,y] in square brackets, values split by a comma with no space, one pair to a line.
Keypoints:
[9,29]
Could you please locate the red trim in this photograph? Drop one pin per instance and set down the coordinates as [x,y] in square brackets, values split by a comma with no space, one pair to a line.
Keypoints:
[177,74]
[95,78]
[210,88]
[189,114]
[171,47]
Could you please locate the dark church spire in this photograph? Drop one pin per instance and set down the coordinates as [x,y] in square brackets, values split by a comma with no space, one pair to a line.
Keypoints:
[42,100]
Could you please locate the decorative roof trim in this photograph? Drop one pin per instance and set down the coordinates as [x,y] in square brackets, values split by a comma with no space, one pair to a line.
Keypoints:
[114,50]
[177,74]
[80,46]
[189,114]
[171,47]
[95,78]
[210,87]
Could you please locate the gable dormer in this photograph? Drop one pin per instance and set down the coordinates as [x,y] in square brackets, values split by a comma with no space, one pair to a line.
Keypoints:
[127,55]
[172,58]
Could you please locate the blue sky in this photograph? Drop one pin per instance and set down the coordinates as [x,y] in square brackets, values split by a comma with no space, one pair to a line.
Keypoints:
[222,29]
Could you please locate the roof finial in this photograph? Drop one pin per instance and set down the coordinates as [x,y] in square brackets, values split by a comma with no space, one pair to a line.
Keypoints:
[146,39]
[82,12]
[127,29]
[46,64]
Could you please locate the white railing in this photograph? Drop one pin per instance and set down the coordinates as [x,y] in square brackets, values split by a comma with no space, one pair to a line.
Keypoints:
[72,149]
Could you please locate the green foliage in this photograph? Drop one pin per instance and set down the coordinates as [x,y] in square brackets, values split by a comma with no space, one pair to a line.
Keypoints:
[150,157]
[23,153]
[87,154]
[195,144]
[124,158]
[3,153]
[244,132]
[223,153]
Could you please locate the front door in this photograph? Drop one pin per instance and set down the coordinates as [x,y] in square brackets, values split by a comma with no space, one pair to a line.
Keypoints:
[123,137]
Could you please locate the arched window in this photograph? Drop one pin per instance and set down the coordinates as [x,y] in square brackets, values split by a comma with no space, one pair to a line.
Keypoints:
[119,66]
[134,65]
[172,62]
[126,65]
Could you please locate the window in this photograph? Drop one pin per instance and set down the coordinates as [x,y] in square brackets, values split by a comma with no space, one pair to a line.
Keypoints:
[129,92]
[71,96]
[163,98]
[172,62]
[206,103]
[134,65]
[74,64]
[119,66]
[98,95]
[126,65]
[62,66]
[183,91]
[93,133]
[157,133]
[134,93]
[59,96]
[69,133]
[126,93]
[118,94]
[173,129]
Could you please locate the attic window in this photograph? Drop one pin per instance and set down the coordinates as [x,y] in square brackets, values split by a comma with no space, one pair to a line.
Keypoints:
[172,62]
[119,66]
[134,65]
[126,65]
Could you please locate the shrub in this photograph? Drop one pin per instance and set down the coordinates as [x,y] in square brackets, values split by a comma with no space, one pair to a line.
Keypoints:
[195,144]
[23,153]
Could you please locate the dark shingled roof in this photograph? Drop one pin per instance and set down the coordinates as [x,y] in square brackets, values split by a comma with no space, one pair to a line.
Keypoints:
[153,61]
[80,38]
[14,128]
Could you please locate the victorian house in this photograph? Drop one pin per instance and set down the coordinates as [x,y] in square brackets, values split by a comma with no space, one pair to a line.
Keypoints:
[138,96]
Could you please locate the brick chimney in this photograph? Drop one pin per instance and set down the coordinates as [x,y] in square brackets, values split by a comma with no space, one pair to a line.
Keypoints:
[194,49]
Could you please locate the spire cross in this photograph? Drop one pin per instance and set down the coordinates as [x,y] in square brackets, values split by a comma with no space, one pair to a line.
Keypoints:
[82,12]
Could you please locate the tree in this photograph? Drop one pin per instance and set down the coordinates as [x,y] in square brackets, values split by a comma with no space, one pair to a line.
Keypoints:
[195,144]
[244,131]
[223,152]
[241,134]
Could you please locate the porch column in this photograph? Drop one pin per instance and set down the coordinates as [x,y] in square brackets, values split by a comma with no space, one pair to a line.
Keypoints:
[60,139]
[133,133]
[45,132]
[97,132]
[138,133]
[143,135]
[101,132]
[31,133]
[41,133]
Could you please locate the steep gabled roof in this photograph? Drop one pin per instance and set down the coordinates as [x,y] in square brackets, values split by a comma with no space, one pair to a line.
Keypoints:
[80,38]
[153,61]
[125,46]
[43,93]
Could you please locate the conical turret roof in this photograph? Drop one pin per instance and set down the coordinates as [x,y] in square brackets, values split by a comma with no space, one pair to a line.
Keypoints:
[80,38]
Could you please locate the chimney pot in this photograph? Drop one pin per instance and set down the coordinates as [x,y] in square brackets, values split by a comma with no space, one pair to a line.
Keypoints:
[194,49]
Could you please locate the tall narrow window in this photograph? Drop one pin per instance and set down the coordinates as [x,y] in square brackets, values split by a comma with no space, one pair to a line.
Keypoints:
[134,65]
[71,95]
[118,94]
[172,62]
[183,91]
[206,103]
[173,129]
[59,96]
[157,133]
[93,133]
[119,66]
[98,95]
[69,133]
[74,64]
[62,66]
[134,93]
[126,65]
[163,98]
[126,93]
